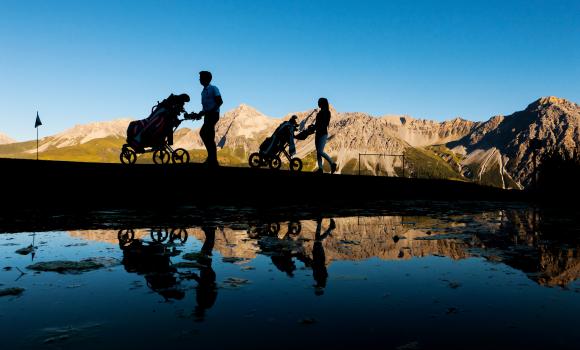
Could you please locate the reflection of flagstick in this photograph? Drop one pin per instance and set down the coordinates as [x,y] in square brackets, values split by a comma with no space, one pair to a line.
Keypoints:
[33,246]
[37,123]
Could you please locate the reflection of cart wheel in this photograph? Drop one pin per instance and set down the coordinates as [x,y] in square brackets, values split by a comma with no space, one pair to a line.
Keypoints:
[275,162]
[295,164]
[274,228]
[161,156]
[255,160]
[127,156]
[294,227]
[126,236]
[180,156]
[178,234]
[253,232]
[159,235]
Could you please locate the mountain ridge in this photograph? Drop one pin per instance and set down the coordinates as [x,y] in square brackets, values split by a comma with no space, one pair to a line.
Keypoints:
[554,124]
[496,152]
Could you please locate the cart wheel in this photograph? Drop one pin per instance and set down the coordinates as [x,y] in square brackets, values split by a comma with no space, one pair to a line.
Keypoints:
[275,162]
[295,164]
[126,236]
[274,228]
[127,156]
[180,156]
[255,160]
[159,235]
[178,234]
[161,156]
[294,227]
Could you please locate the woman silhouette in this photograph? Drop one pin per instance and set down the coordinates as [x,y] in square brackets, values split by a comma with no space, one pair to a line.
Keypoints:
[321,135]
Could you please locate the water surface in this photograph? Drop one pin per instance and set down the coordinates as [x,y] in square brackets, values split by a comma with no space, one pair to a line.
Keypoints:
[413,277]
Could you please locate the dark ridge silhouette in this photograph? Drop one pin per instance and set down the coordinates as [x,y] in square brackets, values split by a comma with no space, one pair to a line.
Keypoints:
[53,184]
[557,179]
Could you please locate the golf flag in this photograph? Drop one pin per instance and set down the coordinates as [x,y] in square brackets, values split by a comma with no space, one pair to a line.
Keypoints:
[38,122]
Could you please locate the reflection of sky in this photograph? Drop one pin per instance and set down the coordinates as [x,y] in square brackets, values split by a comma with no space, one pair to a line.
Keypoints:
[394,302]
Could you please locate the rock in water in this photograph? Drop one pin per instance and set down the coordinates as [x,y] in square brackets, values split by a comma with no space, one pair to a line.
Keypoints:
[65,266]
[11,291]
[26,251]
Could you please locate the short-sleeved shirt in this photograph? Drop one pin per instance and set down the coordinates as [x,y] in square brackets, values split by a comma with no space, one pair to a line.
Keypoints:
[208,95]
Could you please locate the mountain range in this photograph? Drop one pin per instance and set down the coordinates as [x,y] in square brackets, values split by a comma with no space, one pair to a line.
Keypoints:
[497,152]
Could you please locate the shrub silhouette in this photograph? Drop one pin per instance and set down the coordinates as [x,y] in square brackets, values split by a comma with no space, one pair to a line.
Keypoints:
[558,176]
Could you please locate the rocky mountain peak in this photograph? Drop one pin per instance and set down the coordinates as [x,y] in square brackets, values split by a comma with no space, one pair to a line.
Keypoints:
[242,123]
[243,111]
[553,121]
[548,101]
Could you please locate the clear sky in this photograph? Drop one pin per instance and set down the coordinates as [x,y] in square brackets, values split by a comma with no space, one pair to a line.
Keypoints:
[82,61]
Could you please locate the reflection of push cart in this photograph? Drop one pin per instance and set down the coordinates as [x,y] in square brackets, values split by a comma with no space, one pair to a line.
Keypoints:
[158,235]
[155,133]
[273,229]
[153,259]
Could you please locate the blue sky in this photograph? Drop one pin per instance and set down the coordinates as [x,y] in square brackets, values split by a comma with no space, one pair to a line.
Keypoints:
[82,61]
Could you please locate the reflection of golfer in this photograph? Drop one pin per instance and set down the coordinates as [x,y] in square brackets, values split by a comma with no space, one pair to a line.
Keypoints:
[321,136]
[318,257]
[211,100]
[206,291]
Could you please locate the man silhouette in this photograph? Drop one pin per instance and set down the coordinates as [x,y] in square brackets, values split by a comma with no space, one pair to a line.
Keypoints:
[211,100]
[206,290]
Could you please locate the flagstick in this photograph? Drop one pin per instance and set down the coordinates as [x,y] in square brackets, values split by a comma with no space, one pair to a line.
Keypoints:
[36,143]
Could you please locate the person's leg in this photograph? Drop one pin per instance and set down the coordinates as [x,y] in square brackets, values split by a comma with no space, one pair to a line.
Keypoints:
[319,150]
[327,157]
[203,133]
[209,241]
[211,146]
[207,134]
[320,144]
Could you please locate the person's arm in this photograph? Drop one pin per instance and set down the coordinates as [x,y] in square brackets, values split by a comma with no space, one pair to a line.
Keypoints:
[218,102]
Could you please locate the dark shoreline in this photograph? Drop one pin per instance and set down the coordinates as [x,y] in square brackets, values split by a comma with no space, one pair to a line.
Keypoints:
[58,184]
[53,195]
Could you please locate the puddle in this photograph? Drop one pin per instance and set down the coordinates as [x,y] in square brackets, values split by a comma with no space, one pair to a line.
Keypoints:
[411,278]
